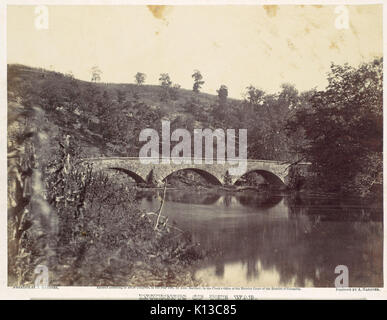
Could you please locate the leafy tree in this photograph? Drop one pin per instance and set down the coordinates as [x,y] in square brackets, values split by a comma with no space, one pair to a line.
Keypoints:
[343,128]
[174,91]
[198,81]
[220,110]
[165,80]
[222,94]
[254,96]
[265,117]
[165,83]
[288,96]
[140,78]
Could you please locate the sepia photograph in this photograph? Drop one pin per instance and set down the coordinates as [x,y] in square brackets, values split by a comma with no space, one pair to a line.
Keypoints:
[195,146]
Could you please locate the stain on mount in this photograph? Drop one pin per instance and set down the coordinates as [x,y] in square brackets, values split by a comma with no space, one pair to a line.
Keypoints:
[271,11]
[158,11]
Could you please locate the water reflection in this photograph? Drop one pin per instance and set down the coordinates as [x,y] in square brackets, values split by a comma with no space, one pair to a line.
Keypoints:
[259,200]
[260,240]
[248,199]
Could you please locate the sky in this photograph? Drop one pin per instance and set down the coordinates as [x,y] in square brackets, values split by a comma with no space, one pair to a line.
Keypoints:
[236,46]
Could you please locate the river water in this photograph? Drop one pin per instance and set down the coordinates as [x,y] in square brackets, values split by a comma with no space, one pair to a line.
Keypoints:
[274,240]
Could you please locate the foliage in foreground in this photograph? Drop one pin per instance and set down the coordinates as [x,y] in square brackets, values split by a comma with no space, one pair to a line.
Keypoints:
[100,236]
[104,239]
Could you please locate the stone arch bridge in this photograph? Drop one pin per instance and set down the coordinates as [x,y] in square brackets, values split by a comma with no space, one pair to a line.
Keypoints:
[274,172]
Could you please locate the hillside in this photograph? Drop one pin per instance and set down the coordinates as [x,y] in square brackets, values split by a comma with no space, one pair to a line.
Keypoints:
[103,116]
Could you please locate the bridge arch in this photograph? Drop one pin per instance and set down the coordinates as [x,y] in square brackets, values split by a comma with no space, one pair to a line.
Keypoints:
[269,176]
[204,173]
[130,173]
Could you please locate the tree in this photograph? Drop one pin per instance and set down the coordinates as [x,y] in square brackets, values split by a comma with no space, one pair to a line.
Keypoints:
[174,91]
[140,78]
[254,96]
[288,96]
[165,80]
[220,110]
[198,81]
[165,83]
[265,117]
[222,94]
[95,74]
[343,128]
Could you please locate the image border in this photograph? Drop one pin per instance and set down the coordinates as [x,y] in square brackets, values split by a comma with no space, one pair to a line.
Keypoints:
[158,292]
